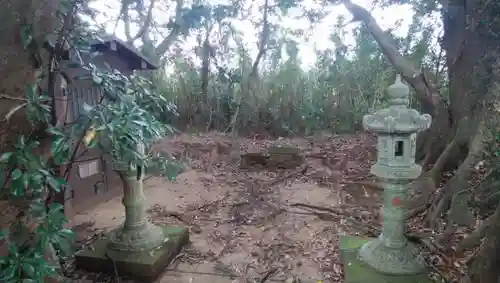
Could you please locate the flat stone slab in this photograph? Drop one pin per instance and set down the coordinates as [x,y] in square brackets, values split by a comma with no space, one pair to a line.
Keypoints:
[355,271]
[144,266]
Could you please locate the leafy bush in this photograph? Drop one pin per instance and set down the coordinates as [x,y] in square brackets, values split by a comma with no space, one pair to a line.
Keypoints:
[126,120]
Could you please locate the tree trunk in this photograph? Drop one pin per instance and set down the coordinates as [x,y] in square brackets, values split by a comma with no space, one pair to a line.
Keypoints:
[431,143]
[205,67]
[471,65]
[484,266]
[459,183]
[457,136]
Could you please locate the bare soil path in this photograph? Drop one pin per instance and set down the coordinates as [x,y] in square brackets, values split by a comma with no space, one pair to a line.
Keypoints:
[255,225]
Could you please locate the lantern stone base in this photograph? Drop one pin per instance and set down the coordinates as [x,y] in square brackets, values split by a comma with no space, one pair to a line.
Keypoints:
[356,271]
[144,266]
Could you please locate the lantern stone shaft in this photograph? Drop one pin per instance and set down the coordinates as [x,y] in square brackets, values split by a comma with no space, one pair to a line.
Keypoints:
[137,233]
[396,128]
[138,248]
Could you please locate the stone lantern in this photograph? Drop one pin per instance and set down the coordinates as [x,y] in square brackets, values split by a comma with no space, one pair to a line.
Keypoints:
[391,253]
[138,248]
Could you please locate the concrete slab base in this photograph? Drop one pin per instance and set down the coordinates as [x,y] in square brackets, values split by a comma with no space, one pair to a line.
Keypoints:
[355,271]
[144,266]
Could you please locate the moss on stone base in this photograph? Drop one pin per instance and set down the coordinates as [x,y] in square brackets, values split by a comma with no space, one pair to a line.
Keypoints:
[356,271]
[145,266]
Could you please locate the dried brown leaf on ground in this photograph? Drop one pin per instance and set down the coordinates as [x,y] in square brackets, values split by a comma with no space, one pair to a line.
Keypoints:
[252,222]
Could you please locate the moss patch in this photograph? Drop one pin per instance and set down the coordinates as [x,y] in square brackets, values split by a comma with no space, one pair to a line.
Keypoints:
[356,271]
[145,266]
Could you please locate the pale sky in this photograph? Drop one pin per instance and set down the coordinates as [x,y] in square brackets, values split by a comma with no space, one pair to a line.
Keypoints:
[319,35]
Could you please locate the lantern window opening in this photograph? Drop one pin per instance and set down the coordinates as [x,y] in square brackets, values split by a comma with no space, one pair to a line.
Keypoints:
[398,151]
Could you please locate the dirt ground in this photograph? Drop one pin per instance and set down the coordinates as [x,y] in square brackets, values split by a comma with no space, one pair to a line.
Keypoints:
[255,225]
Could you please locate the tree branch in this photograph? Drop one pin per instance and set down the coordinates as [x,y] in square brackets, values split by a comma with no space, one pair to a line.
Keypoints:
[8,97]
[146,24]
[426,94]
[163,47]
[264,37]
[126,19]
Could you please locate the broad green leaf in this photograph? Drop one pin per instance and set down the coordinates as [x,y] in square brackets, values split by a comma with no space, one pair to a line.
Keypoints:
[141,123]
[29,269]
[51,271]
[3,233]
[87,108]
[18,185]
[26,35]
[56,183]
[13,250]
[57,147]
[97,80]
[9,273]
[16,174]
[5,156]
[66,233]
[56,207]
[37,208]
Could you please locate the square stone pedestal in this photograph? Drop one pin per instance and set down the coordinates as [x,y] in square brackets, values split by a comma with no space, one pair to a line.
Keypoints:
[143,266]
[355,271]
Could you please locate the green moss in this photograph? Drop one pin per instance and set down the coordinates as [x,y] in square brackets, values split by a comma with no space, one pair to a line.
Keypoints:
[356,271]
[140,265]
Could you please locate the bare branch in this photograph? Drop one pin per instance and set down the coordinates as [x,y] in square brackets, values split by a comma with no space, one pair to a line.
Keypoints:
[8,97]
[126,21]
[264,38]
[163,47]
[146,24]
[426,93]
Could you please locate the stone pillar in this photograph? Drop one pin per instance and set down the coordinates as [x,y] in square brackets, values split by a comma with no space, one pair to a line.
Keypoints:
[396,127]
[138,248]
[137,233]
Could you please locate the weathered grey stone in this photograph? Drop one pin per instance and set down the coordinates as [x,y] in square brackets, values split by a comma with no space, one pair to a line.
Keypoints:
[137,233]
[357,271]
[253,159]
[396,127]
[145,266]
[137,248]
[284,157]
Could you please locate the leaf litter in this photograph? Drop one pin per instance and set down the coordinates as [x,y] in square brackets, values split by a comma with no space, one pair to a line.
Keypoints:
[263,224]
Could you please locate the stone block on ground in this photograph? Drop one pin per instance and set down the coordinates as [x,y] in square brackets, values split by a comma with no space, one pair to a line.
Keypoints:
[284,157]
[253,159]
[276,157]
[144,266]
[355,271]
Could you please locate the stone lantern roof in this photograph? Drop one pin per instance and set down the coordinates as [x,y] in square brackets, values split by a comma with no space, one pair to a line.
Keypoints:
[397,118]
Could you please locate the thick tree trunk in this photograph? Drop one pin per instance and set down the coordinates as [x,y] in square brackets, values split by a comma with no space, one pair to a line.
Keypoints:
[458,133]
[471,64]
[455,134]
[205,66]
[431,143]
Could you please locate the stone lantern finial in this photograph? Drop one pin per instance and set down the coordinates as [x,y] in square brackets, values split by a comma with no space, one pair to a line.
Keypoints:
[399,93]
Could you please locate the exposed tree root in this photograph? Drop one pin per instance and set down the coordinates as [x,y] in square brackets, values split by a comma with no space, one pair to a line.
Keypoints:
[452,194]
[437,169]
[473,240]
[484,266]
